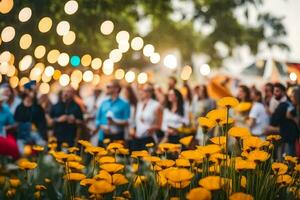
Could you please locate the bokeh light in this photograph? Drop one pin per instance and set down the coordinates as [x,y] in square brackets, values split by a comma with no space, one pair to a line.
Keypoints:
[23,81]
[44,88]
[86,60]
[64,80]
[25,41]
[108,67]
[53,55]
[124,46]
[115,55]
[186,72]
[137,43]
[46,78]
[8,34]
[11,71]
[71,7]
[142,78]
[49,71]
[155,58]
[96,63]
[69,38]
[88,76]
[107,27]
[25,62]
[6,6]
[119,74]
[96,79]
[4,67]
[122,36]
[75,61]
[14,81]
[76,76]
[25,14]
[63,59]
[63,28]
[293,76]
[170,61]
[205,69]
[45,24]
[6,56]
[130,76]
[56,74]
[148,50]
[40,51]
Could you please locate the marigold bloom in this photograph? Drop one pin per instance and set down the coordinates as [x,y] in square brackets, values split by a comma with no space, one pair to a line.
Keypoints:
[112,167]
[101,187]
[240,196]
[273,138]
[165,163]
[253,142]
[14,182]
[186,141]
[291,159]
[211,182]
[75,165]
[114,146]
[193,155]
[87,181]
[244,165]
[26,165]
[119,179]
[38,148]
[239,132]
[228,102]
[206,123]
[149,145]
[284,179]
[279,168]
[151,158]
[138,154]
[40,187]
[178,175]
[179,185]
[218,140]
[181,162]
[106,159]
[199,194]
[209,149]
[103,175]
[169,147]
[217,115]
[258,155]
[297,168]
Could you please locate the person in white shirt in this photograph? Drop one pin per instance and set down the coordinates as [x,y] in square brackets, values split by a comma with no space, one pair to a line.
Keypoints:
[258,117]
[173,116]
[148,119]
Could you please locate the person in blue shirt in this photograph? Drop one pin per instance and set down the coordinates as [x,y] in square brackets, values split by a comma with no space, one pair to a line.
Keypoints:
[6,117]
[113,114]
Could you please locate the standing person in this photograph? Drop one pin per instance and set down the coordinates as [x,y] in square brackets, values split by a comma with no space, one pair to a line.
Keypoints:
[172,81]
[12,99]
[288,128]
[148,119]
[244,94]
[113,114]
[159,95]
[187,98]
[279,96]
[130,96]
[268,94]
[258,117]
[30,119]
[66,117]
[173,116]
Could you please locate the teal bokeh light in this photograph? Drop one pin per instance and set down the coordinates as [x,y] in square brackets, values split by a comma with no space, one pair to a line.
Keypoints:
[75,61]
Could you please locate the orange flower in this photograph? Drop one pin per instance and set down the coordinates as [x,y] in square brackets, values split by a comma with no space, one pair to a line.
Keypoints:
[239,132]
[279,168]
[101,187]
[192,155]
[244,165]
[103,175]
[178,175]
[151,158]
[253,142]
[38,148]
[211,182]
[218,140]
[209,149]
[119,179]
[199,194]
[181,162]
[186,140]
[112,167]
[165,163]
[114,146]
[272,138]
[228,102]
[243,107]
[240,196]
[106,159]
[217,115]
[87,181]
[258,155]
[284,179]
[169,147]
[291,159]
[139,154]
[26,165]
[206,123]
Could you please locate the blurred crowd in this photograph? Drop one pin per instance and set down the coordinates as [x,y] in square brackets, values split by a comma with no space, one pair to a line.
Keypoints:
[140,114]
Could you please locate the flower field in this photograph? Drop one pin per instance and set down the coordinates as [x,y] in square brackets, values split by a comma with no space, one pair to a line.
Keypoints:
[240,170]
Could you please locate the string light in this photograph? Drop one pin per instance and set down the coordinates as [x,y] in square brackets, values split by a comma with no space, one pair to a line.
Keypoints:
[25,14]
[88,76]
[96,63]
[205,69]
[63,28]
[115,55]
[53,55]
[122,36]
[155,58]
[148,50]
[119,74]
[23,81]
[63,59]
[142,78]
[124,46]
[129,76]
[44,88]
[14,81]
[25,41]
[64,80]
[40,51]
[6,6]
[137,43]
[71,7]
[96,79]
[170,61]
[75,61]
[107,27]
[108,67]
[69,38]
[76,76]
[8,34]
[49,71]
[86,60]
[45,24]
[25,62]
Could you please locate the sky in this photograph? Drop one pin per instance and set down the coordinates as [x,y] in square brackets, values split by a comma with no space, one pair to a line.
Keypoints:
[290,10]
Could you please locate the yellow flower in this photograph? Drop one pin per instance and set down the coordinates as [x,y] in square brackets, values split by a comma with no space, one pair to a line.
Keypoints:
[178,175]
[297,168]
[199,194]
[138,180]
[40,187]
[209,149]
[60,156]
[217,115]
[244,165]
[85,143]
[179,185]
[224,121]
[38,148]
[228,102]
[123,151]
[26,165]
[114,146]
[186,141]
[112,167]
[73,149]
[253,142]
[243,182]
[103,175]
[101,187]
[284,179]
[14,182]
[119,179]
[94,150]
[75,165]
[258,155]
[87,181]
[149,145]
[243,107]
[106,159]
[218,140]
[151,158]
[291,159]
[169,147]
[211,182]
[181,162]
[192,155]
[74,176]
[239,132]
[272,138]
[206,123]
[161,179]
[279,168]
[138,154]
[217,157]
[240,196]
[106,141]
[165,163]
